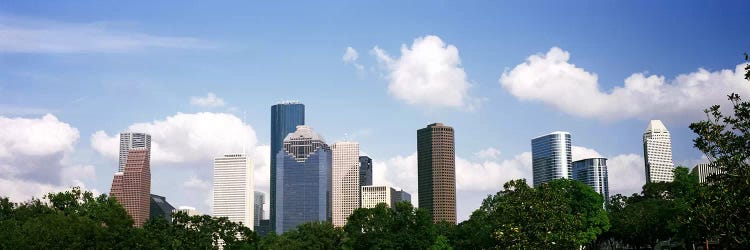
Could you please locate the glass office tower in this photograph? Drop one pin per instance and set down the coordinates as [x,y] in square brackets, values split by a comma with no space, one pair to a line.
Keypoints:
[285,117]
[593,172]
[551,157]
[303,180]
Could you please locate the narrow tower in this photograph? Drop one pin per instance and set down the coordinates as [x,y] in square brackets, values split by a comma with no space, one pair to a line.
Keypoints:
[285,117]
[345,180]
[657,153]
[437,172]
[234,189]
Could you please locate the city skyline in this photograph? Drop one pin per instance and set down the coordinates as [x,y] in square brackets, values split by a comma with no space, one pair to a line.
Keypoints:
[201,79]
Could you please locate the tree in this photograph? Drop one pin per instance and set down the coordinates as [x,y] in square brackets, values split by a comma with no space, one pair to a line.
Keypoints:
[401,227]
[724,205]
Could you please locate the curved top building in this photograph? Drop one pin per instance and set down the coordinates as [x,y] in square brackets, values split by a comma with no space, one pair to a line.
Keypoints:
[551,157]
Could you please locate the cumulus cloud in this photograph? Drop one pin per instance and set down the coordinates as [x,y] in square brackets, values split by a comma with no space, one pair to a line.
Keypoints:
[33,157]
[427,73]
[553,80]
[32,35]
[580,153]
[626,174]
[208,101]
[488,153]
[185,137]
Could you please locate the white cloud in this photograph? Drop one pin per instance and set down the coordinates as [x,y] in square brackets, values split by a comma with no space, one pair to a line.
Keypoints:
[199,193]
[429,73]
[186,137]
[31,35]
[626,174]
[491,175]
[398,171]
[580,153]
[553,80]
[350,57]
[209,101]
[488,153]
[33,157]
[262,167]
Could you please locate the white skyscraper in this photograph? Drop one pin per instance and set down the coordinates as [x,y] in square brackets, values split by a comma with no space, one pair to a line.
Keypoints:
[657,152]
[345,178]
[130,140]
[233,189]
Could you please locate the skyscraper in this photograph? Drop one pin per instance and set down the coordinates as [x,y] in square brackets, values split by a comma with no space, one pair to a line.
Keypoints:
[593,172]
[285,117]
[303,180]
[260,199]
[132,187]
[345,180]
[365,171]
[131,140]
[437,172]
[704,170]
[657,153]
[160,208]
[551,157]
[233,189]
[374,195]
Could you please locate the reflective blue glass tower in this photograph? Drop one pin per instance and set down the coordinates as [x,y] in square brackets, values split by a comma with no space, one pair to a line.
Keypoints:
[593,172]
[303,180]
[551,157]
[285,117]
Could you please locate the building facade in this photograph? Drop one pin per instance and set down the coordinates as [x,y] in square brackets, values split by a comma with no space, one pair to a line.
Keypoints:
[259,200]
[551,157]
[436,177]
[234,189]
[160,208]
[365,171]
[374,195]
[402,195]
[303,180]
[132,187]
[131,140]
[345,181]
[657,153]
[704,170]
[593,172]
[285,117]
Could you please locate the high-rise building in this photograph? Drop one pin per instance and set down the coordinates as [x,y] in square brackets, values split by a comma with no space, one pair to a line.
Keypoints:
[160,208]
[704,170]
[657,152]
[260,199]
[402,195]
[551,157]
[365,171]
[285,117]
[233,189]
[132,187]
[131,140]
[345,179]
[593,172]
[374,195]
[303,180]
[190,211]
[436,163]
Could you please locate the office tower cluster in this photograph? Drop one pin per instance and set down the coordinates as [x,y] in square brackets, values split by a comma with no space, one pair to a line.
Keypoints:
[552,159]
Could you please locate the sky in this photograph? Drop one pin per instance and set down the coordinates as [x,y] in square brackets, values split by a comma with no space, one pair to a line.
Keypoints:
[201,78]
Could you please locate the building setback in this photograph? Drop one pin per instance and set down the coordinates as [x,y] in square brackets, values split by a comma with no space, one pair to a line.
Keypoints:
[233,189]
[593,172]
[303,180]
[436,179]
[131,140]
[345,180]
[551,157]
[285,117]
[657,152]
[132,187]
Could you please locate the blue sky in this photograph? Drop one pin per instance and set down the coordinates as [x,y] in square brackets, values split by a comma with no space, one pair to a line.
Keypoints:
[104,66]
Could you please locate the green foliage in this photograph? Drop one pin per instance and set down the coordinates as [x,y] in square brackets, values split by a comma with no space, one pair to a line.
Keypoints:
[311,235]
[723,207]
[402,227]
[561,214]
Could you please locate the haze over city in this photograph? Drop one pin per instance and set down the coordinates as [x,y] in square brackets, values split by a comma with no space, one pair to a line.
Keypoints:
[201,80]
